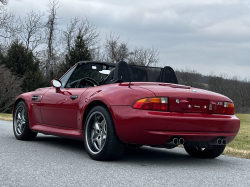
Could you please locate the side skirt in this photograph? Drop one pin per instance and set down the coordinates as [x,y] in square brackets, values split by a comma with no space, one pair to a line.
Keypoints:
[58,131]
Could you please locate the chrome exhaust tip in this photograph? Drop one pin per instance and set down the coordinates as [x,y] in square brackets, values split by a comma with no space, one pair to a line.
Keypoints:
[175,141]
[219,141]
[181,141]
[224,141]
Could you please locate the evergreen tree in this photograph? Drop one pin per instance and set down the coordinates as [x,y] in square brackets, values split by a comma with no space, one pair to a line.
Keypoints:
[78,52]
[21,62]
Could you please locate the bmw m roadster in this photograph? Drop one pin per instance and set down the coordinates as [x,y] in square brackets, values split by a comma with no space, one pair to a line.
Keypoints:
[111,106]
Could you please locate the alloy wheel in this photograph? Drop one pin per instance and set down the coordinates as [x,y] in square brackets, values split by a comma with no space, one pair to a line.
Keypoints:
[96,132]
[19,120]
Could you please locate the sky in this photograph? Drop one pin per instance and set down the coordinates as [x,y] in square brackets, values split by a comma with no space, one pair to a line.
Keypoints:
[209,36]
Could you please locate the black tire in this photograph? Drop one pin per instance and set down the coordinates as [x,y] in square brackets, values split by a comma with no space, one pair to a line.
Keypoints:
[21,127]
[135,145]
[100,139]
[204,152]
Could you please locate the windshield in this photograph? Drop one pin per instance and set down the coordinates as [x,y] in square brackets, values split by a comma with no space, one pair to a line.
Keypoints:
[83,71]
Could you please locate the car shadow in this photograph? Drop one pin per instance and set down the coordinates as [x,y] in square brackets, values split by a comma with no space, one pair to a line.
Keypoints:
[144,156]
[160,156]
[61,143]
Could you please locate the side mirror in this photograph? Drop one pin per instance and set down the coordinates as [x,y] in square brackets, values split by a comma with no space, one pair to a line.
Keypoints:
[57,84]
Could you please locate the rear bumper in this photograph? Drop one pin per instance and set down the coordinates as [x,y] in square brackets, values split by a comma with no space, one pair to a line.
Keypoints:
[156,128]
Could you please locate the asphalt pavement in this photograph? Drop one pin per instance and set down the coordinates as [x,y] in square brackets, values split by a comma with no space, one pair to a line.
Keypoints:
[55,161]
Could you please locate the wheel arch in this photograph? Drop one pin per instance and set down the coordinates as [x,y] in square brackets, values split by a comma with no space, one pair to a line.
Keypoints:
[16,102]
[91,105]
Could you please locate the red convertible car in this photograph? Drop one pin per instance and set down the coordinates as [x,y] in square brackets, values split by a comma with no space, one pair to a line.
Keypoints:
[111,106]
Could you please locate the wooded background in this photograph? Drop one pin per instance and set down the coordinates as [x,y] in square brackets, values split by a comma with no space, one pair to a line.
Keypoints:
[33,51]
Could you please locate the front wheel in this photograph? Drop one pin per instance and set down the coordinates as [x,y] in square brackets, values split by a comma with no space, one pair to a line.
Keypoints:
[21,123]
[100,138]
[205,152]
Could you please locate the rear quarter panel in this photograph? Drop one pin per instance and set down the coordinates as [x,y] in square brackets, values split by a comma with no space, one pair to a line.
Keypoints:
[112,94]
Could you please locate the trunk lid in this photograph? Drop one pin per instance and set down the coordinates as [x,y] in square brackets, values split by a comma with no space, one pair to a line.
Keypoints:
[188,99]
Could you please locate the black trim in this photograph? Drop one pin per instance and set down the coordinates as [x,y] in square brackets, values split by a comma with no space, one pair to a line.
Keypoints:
[95,62]
[74,67]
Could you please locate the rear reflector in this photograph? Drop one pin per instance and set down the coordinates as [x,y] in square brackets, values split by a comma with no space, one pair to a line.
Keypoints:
[228,108]
[155,103]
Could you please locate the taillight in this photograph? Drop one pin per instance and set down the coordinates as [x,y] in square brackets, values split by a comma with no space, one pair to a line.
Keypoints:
[155,103]
[228,108]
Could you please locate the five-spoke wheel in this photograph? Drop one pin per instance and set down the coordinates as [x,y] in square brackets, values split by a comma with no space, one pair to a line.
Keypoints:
[97,132]
[19,120]
[21,123]
[100,138]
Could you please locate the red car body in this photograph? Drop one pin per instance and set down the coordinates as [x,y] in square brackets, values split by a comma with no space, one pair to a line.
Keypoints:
[57,114]
[54,112]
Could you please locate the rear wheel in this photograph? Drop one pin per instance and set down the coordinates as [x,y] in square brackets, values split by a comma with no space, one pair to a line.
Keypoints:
[205,152]
[21,126]
[100,138]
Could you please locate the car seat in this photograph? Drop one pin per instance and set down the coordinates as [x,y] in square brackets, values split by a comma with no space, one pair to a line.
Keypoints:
[109,78]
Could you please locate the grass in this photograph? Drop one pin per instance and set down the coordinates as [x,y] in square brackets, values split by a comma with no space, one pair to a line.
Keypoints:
[7,117]
[239,147]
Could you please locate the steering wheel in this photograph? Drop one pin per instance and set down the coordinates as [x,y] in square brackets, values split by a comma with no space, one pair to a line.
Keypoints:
[89,82]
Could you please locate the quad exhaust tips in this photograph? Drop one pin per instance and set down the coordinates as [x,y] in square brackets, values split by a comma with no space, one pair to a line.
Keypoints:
[178,141]
[222,141]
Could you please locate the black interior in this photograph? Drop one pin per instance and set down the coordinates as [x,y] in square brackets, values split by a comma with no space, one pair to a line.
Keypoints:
[86,74]
[109,78]
[133,73]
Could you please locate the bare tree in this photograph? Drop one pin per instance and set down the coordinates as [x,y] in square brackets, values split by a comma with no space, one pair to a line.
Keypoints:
[115,49]
[7,21]
[4,2]
[10,88]
[49,59]
[88,30]
[69,33]
[32,30]
[144,57]
[97,54]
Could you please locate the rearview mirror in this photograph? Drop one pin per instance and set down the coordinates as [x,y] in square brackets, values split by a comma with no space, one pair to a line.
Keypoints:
[105,72]
[93,66]
[57,84]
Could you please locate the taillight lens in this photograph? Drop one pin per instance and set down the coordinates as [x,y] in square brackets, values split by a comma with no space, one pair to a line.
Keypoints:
[228,108]
[155,103]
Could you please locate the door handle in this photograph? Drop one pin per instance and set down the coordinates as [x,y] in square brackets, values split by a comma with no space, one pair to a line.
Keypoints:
[73,97]
[34,98]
